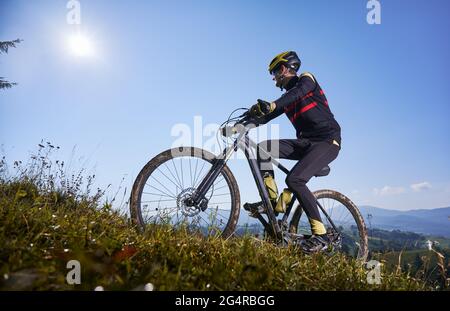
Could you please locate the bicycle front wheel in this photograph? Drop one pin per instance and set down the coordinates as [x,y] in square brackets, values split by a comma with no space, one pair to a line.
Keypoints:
[349,227]
[160,191]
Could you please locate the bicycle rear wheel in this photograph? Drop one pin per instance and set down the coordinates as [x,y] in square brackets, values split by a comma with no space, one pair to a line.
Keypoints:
[351,233]
[166,181]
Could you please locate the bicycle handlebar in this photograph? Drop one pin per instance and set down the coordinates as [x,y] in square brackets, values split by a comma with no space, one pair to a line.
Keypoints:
[242,121]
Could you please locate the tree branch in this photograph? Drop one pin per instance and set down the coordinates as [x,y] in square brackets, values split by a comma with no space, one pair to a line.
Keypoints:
[5,45]
[5,84]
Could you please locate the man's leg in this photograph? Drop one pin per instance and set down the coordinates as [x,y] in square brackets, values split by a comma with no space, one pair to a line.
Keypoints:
[317,157]
[278,149]
[284,149]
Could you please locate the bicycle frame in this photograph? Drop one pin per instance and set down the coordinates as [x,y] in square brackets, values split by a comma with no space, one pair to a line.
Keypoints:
[248,146]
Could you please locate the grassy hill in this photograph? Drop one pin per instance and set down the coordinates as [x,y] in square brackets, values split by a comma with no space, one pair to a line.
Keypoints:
[48,218]
[430,266]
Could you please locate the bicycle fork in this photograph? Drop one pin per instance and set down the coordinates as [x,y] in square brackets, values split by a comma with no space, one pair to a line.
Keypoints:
[199,196]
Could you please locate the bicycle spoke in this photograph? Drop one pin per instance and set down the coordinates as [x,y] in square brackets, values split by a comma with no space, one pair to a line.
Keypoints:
[331,212]
[162,185]
[219,202]
[190,170]
[221,187]
[199,174]
[223,216]
[157,211]
[172,196]
[182,178]
[163,195]
[219,179]
[153,201]
[200,216]
[216,195]
[167,177]
[176,172]
[223,209]
[171,174]
[195,172]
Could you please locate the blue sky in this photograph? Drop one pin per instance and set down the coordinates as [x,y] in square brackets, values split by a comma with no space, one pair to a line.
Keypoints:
[161,63]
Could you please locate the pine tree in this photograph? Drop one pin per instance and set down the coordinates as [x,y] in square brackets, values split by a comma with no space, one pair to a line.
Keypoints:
[4,47]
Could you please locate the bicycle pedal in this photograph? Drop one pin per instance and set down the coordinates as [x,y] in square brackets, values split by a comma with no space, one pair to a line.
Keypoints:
[256,213]
[254,209]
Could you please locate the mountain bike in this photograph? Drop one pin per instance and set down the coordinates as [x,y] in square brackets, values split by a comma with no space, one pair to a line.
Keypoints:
[192,187]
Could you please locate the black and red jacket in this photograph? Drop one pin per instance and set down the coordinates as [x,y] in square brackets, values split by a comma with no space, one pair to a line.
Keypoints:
[306,106]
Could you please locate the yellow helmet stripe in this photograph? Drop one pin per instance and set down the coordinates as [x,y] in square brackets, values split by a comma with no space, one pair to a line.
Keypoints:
[279,58]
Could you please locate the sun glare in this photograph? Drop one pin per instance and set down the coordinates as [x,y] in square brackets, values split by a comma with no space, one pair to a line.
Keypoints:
[80,46]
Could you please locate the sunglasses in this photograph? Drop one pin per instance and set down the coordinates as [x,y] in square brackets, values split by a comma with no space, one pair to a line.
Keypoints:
[277,71]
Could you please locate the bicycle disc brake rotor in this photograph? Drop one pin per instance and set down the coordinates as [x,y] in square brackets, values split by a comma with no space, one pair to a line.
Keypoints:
[186,210]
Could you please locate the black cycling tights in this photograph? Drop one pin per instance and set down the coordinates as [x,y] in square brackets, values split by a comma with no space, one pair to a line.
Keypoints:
[312,156]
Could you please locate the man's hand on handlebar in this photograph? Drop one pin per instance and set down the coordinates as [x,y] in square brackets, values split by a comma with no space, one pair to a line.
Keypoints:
[261,108]
[252,117]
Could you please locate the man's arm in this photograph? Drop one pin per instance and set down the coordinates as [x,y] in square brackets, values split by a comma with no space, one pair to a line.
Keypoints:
[273,112]
[305,85]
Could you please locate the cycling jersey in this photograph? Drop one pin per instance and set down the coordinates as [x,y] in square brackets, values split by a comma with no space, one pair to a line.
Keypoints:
[306,106]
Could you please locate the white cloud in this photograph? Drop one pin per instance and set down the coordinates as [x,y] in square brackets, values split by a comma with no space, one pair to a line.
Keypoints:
[388,190]
[421,186]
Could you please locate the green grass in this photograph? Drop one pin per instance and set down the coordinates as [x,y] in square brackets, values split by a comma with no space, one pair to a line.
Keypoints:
[430,266]
[40,233]
[45,221]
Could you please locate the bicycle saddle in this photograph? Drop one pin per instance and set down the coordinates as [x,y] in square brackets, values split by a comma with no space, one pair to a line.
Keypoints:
[323,172]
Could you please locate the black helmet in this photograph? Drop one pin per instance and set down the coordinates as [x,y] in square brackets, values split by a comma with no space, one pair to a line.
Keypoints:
[289,59]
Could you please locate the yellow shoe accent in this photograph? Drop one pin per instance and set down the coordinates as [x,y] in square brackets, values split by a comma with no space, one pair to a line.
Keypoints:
[283,201]
[317,227]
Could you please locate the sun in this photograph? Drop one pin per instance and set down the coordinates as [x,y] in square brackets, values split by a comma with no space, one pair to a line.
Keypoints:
[80,46]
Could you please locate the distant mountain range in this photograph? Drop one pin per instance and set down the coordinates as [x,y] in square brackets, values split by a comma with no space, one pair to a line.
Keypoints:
[426,221]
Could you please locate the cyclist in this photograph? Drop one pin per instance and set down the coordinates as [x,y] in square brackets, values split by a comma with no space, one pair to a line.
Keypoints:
[317,144]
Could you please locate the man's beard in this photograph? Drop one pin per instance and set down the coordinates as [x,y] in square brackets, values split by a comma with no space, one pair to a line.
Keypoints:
[282,82]
[278,83]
